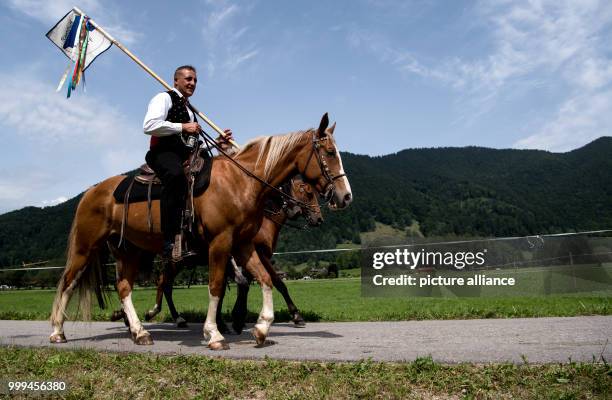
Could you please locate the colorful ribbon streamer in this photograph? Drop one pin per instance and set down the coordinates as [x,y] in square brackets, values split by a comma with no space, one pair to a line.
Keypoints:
[78,39]
[78,72]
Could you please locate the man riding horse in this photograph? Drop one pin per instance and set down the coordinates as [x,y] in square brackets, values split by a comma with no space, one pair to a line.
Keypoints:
[170,122]
[228,214]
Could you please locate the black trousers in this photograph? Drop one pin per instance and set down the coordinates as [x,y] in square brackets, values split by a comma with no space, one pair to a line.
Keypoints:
[168,166]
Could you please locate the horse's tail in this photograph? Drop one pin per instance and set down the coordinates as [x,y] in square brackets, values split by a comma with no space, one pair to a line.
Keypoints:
[84,273]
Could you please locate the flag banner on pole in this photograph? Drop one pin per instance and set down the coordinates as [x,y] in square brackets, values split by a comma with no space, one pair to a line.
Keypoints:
[78,39]
[65,36]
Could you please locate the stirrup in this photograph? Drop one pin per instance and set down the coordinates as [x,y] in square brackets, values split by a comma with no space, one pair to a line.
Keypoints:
[177,248]
[178,254]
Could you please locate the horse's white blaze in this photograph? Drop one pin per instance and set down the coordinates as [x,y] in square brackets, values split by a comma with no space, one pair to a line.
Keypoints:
[267,311]
[211,333]
[130,312]
[344,179]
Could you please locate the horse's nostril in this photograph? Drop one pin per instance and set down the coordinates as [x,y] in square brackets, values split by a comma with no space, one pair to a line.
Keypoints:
[347,197]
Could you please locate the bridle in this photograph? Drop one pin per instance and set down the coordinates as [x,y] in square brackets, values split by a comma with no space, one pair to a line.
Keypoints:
[291,202]
[330,188]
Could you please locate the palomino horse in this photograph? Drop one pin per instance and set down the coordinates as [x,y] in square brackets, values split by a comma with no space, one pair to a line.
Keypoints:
[229,215]
[278,211]
[265,243]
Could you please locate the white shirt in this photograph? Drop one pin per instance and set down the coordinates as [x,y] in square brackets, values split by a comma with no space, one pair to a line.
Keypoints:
[155,123]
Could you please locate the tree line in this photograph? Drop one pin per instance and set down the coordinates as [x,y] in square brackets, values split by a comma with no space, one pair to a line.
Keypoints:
[463,192]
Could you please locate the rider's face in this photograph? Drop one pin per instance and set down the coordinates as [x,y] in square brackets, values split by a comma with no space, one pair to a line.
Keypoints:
[185,82]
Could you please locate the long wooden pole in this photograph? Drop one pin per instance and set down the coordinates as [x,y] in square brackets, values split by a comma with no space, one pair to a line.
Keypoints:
[150,71]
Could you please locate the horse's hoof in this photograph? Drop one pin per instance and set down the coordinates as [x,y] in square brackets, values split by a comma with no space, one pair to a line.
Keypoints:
[220,345]
[298,320]
[181,323]
[58,338]
[144,340]
[148,316]
[260,338]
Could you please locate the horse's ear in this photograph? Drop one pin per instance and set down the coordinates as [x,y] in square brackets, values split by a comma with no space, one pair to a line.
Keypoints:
[331,129]
[323,125]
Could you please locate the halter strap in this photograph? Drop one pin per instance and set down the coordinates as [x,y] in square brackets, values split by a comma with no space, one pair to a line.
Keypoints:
[329,188]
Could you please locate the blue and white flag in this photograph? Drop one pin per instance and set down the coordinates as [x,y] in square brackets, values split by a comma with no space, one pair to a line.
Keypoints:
[65,35]
[79,40]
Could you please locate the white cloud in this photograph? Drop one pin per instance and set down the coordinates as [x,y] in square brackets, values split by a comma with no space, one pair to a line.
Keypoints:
[227,46]
[52,11]
[562,44]
[217,18]
[19,185]
[580,120]
[54,202]
[121,33]
[28,105]
[62,145]
[49,12]
[237,59]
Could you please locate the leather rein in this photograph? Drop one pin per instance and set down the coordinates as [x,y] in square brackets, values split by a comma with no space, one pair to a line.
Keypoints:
[329,188]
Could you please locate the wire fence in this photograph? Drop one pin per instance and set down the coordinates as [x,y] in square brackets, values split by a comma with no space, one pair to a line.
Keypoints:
[532,240]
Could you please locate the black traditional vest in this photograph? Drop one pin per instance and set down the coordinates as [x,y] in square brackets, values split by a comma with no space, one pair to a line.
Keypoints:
[177,113]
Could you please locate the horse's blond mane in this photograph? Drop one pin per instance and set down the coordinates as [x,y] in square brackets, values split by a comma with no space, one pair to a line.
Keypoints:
[275,146]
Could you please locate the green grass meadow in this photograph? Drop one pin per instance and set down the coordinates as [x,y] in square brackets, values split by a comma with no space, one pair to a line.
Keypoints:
[102,375]
[326,300]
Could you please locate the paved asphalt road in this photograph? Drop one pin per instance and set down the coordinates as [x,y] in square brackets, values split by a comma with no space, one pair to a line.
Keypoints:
[541,340]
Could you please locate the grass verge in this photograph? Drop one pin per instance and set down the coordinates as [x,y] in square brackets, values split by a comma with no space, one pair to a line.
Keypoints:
[327,300]
[91,374]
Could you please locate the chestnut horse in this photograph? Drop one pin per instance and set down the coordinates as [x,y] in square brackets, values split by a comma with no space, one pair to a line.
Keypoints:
[228,216]
[265,243]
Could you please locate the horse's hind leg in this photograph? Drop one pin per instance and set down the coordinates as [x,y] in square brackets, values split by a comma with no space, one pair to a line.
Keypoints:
[68,282]
[239,312]
[127,267]
[168,284]
[149,315]
[86,235]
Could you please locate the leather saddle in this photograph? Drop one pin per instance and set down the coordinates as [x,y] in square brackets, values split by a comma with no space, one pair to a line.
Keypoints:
[147,176]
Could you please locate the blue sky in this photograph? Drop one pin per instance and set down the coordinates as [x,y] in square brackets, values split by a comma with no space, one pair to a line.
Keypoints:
[393,74]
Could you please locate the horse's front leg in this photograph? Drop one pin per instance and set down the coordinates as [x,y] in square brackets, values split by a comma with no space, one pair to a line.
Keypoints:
[169,274]
[218,255]
[127,267]
[266,316]
[239,312]
[278,283]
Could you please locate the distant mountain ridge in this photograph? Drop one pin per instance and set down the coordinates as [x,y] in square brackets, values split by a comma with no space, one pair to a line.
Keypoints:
[460,191]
